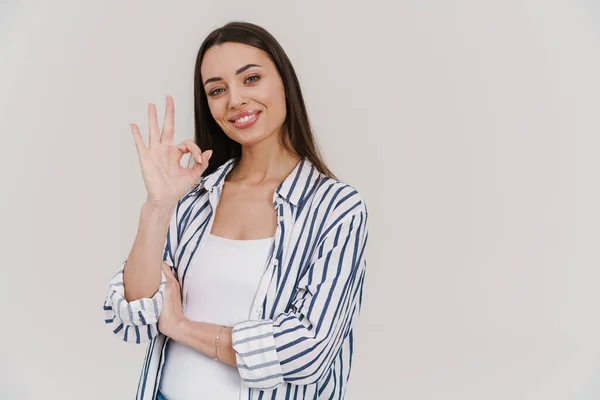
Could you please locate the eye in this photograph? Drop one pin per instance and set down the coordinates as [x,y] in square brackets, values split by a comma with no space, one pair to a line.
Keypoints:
[253,76]
[214,92]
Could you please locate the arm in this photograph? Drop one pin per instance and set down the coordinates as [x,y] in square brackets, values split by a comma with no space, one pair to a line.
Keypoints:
[136,291]
[298,346]
[201,337]
[142,274]
[197,335]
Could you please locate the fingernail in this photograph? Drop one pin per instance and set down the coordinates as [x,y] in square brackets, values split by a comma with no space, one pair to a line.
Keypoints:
[199,158]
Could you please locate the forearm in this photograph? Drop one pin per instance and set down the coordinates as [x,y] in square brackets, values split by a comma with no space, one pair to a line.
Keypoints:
[142,273]
[201,337]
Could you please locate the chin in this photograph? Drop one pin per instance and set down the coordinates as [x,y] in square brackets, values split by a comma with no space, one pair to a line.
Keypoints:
[250,141]
[250,138]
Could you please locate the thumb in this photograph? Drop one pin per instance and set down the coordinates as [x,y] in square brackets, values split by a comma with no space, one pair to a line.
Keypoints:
[200,168]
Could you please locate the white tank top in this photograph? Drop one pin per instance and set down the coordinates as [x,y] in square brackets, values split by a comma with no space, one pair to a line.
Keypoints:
[221,283]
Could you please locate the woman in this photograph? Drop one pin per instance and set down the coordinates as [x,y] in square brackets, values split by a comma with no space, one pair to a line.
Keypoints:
[262,248]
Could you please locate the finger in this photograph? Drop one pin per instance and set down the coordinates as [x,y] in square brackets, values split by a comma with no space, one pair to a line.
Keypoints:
[139,141]
[166,268]
[169,274]
[198,169]
[168,129]
[153,125]
[205,158]
[189,146]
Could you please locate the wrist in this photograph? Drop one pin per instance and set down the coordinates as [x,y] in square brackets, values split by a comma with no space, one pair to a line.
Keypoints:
[154,207]
[218,355]
[180,330]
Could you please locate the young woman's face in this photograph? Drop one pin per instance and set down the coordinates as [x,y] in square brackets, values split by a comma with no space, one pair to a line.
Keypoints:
[240,79]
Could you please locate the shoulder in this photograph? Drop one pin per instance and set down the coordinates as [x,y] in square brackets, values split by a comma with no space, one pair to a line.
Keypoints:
[339,198]
[334,206]
[336,213]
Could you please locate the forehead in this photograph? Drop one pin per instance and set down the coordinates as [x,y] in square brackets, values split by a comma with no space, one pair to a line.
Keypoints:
[222,60]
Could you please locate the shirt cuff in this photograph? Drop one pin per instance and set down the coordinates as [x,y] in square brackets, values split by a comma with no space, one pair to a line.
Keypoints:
[256,354]
[134,321]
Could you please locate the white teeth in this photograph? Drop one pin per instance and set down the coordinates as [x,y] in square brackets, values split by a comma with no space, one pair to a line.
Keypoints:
[244,119]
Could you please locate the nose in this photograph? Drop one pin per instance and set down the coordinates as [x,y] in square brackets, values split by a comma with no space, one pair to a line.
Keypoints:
[236,100]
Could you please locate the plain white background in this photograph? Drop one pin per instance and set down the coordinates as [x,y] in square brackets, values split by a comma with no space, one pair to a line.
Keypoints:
[470,127]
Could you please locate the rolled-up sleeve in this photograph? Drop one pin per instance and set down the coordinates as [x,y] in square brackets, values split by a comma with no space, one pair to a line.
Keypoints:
[137,321]
[299,345]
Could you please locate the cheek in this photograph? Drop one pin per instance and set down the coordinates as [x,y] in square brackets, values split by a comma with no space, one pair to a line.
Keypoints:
[276,100]
[216,110]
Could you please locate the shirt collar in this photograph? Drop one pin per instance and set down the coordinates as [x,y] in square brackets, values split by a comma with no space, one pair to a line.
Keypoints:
[294,188]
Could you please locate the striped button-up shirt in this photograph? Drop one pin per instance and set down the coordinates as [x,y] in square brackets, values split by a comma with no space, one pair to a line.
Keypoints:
[298,340]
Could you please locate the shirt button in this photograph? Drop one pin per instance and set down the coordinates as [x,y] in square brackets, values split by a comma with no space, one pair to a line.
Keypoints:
[275,261]
[259,311]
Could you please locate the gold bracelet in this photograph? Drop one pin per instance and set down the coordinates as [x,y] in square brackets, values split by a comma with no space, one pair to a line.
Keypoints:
[217,344]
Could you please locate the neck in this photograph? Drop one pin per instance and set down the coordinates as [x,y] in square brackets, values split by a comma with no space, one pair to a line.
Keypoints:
[262,162]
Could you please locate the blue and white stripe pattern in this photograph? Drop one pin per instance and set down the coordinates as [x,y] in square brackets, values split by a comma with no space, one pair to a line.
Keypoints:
[298,340]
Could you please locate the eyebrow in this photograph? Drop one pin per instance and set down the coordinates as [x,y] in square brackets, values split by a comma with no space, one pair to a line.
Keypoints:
[239,71]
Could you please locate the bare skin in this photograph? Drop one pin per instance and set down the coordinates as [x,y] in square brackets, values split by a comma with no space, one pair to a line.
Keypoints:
[243,79]
[246,209]
[245,212]
[166,182]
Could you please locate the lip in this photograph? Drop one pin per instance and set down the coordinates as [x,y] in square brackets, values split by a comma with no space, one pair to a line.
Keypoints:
[246,124]
[243,114]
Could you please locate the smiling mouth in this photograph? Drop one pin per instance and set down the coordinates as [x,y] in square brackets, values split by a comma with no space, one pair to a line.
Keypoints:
[245,121]
[245,118]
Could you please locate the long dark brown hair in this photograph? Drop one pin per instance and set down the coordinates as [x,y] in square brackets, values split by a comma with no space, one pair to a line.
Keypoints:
[296,127]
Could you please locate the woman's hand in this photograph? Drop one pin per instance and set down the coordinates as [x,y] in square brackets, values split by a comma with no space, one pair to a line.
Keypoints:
[171,318]
[165,179]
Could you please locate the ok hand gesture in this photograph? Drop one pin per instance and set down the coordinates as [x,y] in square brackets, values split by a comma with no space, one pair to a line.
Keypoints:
[165,179]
